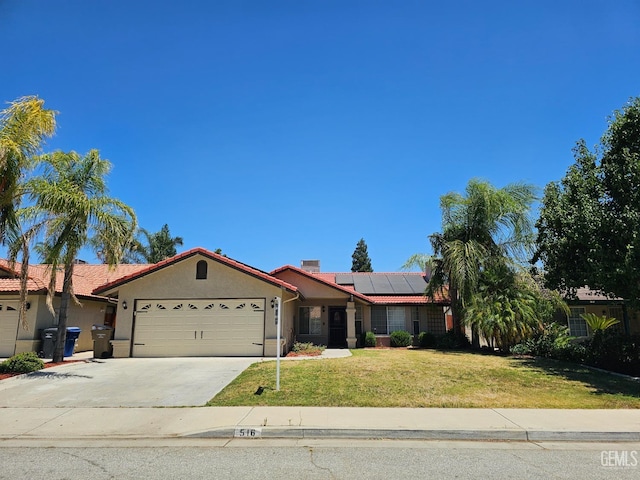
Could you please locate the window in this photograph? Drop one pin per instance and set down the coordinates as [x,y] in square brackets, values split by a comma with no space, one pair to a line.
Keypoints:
[618,314]
[577,325]
[436,323]
[385,320]
[201,270]
[310,322]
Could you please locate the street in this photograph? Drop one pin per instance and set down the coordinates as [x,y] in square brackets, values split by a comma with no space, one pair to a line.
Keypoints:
[314,459]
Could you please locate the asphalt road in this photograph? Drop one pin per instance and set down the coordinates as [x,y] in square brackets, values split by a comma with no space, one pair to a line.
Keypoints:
[258,459]
[124,382]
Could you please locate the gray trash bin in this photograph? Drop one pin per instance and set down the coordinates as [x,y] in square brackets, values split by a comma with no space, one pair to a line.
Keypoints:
[49,338]
[102,335]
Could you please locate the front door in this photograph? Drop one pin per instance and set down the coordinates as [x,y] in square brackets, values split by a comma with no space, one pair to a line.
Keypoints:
[337,327]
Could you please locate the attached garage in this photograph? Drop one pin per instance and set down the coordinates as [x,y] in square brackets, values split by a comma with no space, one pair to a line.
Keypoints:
[199,328]
[8,327]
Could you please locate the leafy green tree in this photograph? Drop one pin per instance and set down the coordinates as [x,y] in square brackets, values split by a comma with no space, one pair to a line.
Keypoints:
[71,197]
[589,221]
[24,126]
[360,258]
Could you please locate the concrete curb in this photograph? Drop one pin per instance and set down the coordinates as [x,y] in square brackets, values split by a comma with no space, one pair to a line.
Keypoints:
[404,434]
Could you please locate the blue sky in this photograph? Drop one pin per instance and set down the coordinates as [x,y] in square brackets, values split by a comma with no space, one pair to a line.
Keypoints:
[287,130]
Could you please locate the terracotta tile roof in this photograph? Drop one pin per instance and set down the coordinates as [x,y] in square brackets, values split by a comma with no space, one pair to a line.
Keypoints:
[329,278]
[189,253]
[319,278]
[402,299]
[86,277]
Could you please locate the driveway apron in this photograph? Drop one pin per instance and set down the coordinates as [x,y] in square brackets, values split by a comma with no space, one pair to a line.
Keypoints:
[124,382]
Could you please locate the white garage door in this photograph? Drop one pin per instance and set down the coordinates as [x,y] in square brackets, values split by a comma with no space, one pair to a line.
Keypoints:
[8,327]
[199,328]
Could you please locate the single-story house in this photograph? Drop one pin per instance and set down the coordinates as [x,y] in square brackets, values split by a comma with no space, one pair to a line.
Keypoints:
[93,309]
[591,301]
[199,303]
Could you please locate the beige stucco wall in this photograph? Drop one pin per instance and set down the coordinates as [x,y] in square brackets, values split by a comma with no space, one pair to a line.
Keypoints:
[179,281]
[39,317]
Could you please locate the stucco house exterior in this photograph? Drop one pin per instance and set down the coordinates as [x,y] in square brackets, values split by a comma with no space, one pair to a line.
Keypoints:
[590,301]
[93,310]
[199,303]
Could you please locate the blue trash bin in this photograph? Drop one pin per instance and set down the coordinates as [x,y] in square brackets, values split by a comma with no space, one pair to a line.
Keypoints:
[70,343]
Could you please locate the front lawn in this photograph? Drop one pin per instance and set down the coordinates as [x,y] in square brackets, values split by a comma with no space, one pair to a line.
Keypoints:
[428,378]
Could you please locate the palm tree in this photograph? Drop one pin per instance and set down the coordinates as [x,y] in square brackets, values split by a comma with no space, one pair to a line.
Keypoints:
[484,228]
[160,245]
[24,125]
[71,197]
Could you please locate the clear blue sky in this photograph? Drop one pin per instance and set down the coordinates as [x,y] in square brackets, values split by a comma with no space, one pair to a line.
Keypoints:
[287,130]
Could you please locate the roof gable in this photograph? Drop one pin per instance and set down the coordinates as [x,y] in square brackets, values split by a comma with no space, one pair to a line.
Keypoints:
[149,269]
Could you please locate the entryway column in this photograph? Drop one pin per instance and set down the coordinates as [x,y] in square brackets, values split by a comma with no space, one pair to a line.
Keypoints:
[351,325]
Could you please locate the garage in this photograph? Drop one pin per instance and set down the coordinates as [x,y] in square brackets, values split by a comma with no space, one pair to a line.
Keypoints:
[199,328]
[8,327]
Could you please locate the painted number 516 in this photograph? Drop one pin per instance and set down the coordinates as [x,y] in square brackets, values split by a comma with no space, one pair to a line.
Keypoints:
[248,432]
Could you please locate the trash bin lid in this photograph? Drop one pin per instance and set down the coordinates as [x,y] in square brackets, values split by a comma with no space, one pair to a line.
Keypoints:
[101,327]
[73,329]
[51,329]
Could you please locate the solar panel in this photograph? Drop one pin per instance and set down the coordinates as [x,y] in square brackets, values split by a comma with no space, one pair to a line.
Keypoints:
[417,283]
[344,279]
[362,284]
[399,284]
[381,285]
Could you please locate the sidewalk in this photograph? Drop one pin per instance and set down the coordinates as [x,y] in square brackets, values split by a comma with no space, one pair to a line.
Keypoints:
[317,422]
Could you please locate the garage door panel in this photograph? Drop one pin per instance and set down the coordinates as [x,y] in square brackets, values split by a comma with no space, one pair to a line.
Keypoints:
[218,327]
[8,327]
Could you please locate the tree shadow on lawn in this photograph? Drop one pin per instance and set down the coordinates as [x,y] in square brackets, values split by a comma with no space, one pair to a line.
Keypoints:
[602,383]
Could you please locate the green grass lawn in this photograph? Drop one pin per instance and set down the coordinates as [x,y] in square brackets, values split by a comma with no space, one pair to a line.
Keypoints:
[428,378]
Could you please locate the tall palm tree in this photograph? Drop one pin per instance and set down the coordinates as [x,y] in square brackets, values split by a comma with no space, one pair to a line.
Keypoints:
[72,196]
[486,227]
[24,125]
[160,245]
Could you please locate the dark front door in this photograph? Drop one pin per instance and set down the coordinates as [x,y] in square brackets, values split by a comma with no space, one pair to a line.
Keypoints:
[337,327]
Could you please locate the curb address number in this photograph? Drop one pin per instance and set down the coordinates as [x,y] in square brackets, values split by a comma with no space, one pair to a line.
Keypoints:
[248,433]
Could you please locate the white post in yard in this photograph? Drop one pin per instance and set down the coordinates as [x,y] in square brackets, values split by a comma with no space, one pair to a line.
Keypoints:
[277,315]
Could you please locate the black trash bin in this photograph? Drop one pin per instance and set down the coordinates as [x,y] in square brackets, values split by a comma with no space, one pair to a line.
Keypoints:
[102,335]
[49,338]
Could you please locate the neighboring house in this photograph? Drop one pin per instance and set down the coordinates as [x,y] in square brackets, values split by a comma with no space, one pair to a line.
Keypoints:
[93,309]
[199,303]
[590,301]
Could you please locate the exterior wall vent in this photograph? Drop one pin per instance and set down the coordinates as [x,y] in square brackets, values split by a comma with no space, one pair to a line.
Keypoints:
[311,266]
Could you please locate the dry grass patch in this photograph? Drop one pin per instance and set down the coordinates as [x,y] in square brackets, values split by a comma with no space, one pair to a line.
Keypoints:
[428,378]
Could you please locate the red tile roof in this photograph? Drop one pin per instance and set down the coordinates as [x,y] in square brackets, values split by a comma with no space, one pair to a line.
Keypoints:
[189,253]
[317,277]
[329,279]
[86,277]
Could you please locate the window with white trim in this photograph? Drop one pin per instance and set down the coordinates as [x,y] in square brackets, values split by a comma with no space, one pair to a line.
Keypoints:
[577,324]
[385,320]
[310,321]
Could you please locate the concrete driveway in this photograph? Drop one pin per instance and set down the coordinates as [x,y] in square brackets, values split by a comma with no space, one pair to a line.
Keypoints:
[124,382]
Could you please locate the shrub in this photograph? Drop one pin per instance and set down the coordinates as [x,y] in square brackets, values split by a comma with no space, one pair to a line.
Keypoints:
[552,341]
[307,347]
[370,339]
[427,340]
[401,338]
[22,363]
[614,352]
[453,341]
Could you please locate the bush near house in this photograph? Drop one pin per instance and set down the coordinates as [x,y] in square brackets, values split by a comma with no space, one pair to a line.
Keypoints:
[427,340]
[401,338]
[22,363]
[370,339]
[307,348]
[607,350]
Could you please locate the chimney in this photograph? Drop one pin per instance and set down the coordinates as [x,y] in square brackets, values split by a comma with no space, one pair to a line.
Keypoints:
[311,266]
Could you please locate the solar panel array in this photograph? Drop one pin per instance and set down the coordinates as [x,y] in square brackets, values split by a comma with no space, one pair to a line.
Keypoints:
[382,284]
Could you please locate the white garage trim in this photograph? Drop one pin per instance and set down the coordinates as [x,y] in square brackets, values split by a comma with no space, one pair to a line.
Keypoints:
[199,328]
[8,327]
